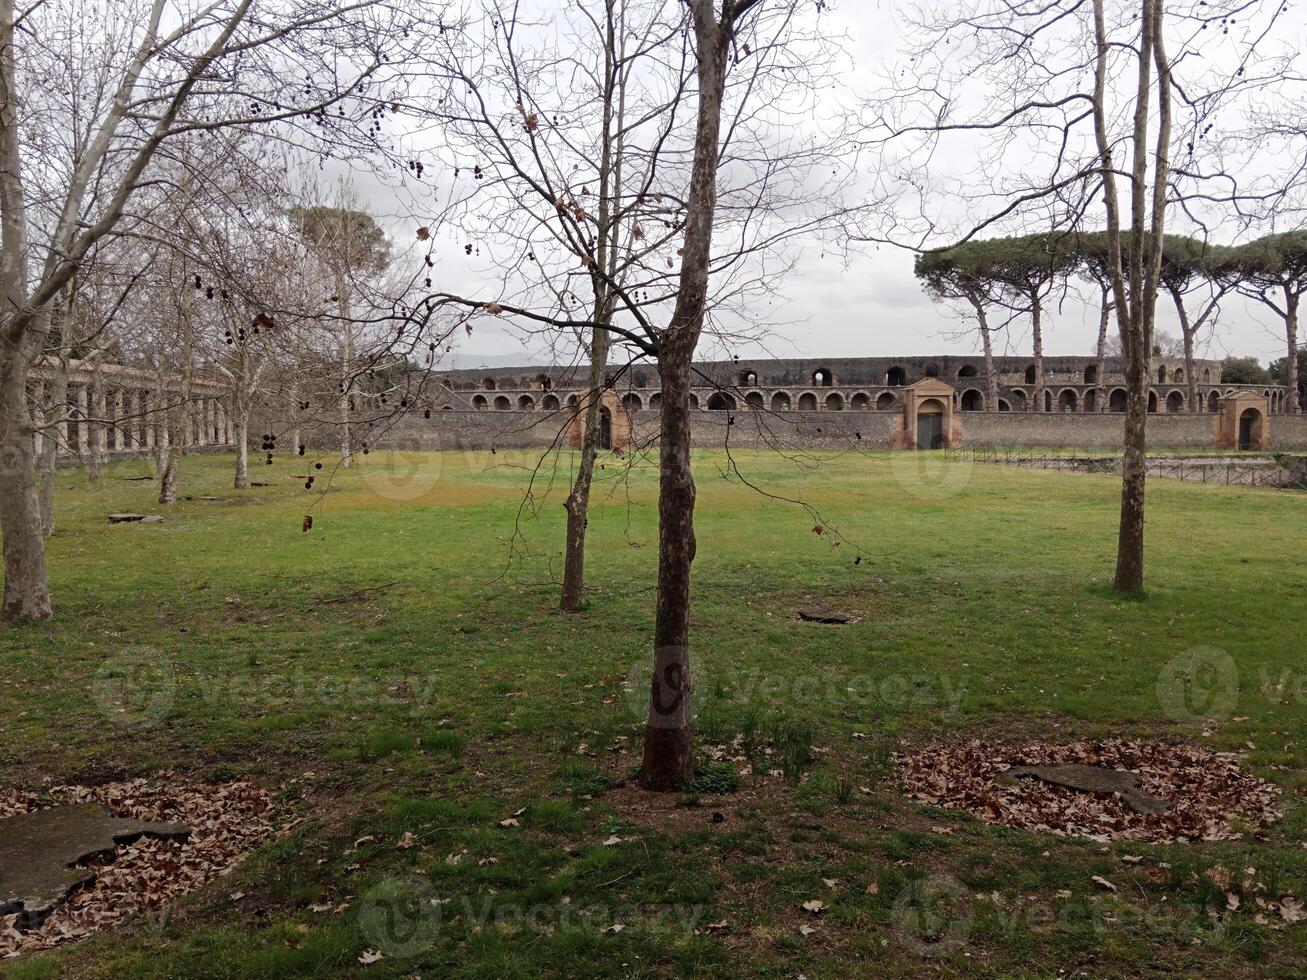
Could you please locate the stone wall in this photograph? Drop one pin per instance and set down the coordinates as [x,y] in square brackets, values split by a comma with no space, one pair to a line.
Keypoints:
[791,430]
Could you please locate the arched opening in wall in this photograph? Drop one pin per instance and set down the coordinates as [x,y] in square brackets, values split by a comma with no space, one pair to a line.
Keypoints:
[1116,401]
[749,379]
[479,403]
[834,402]
[930,424]
[719,401]
[605,428]
[1250,429]
[807,402]
[860,402]
[972,401]
[631,402]
[1214,401]
[502,404]
[526,403]
[1018,400]
[1030,375]
[549,403]
[967,371]
[1048,400]
[573,401]
[1091,400]
[755,401]
[932,370]
[1161,374]
[641,379]
[884,401]
[1207,375]
[1178,376]
[1067,401]
[821,378]
[1091,374]
[780,402]
[1003,405]
[1152,401]
[655,400]
[896,377]
[487,384]
[694,402]
[544,382]
[1175,403]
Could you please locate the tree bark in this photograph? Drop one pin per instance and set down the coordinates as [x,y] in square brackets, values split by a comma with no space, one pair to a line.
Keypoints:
[1104,318]
[1037,333]
[578,501]
[346,357]
[99,428]
[987,346]
[668,760]
[57,412]
[1291,335]
[26,595]
[1187,330]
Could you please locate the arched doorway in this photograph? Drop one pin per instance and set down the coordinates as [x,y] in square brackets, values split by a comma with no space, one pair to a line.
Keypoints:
[1066,401]
[1116,401]
[780,402]
[807,402]
[605,428]
[821,378]
[860,402]
[1214,402]
[930,424]
[896,377]
[972,401]
[1175,403]
[834,402]
[755,401]
[631,402]
[1030,375]
[719,401]
[884,401]
[1091,374]
[1250,429]
[1091,400]
[967,371]
[1152,401]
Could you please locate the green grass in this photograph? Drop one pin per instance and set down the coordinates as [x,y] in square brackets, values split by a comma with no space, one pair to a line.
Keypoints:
[408,654]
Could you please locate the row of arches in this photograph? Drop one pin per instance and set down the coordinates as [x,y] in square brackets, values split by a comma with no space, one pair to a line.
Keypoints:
[1068,400]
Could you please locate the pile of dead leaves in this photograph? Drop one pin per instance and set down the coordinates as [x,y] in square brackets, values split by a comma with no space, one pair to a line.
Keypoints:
[225,820]
[1210,795]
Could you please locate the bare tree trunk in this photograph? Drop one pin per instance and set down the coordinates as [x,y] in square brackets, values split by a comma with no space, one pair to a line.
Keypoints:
[167,461]
[1037,333]
[242,481]
[26,595]
[99,428]
[578,501]
[1187,330]
[1291,335]
[296,433]
[1104,317]
[57,411]
[987,345]
[346,357]
[668,762]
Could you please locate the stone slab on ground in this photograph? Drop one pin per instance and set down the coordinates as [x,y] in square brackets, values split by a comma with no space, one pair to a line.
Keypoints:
[1093,779]
[40,851]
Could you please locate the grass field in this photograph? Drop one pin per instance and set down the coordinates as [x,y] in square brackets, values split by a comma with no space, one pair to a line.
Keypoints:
[404,663]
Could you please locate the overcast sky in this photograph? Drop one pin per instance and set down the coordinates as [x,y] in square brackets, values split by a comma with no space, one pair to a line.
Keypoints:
[870,307]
